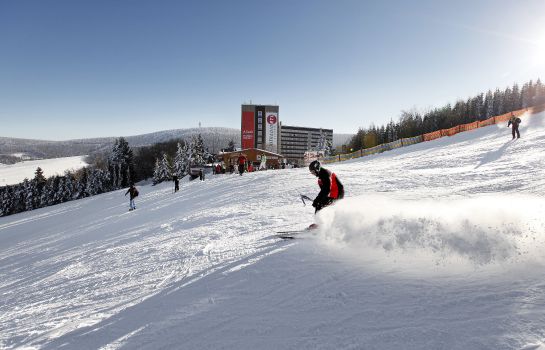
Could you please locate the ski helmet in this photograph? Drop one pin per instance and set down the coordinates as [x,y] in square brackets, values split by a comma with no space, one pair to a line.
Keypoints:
[314,167]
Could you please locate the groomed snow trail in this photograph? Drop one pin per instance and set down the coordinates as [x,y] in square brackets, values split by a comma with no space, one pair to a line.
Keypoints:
[438,245]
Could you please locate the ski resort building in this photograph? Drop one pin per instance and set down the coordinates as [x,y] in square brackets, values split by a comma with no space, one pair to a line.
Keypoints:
[261,129]
[296,141]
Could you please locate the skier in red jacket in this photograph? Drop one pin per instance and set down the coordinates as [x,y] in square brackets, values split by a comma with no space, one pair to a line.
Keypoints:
[331,189]
[241,163]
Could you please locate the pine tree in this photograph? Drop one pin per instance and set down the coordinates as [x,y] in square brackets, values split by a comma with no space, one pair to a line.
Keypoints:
[197,152]
[488,105]
[27,192]
[121,164]
[81,184]
[181,160]
[162,171]
[47,193]
[539,96]
[6,201]
[498,102]
[166,168]
[508,101]
[231,146]
[157,172]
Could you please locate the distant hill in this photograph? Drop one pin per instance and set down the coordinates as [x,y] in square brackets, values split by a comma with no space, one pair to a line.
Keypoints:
[12,149]
[215,139]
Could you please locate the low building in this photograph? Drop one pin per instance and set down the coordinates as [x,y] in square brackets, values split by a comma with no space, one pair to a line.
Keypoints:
[253,155]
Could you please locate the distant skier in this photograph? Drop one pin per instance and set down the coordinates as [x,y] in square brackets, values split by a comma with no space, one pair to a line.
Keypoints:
[176,183]
[514,121]
[241,163]
[331,189]
[263,164]
[201,175]
[133,193]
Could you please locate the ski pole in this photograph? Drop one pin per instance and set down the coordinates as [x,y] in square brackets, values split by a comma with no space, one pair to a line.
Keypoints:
[303,197]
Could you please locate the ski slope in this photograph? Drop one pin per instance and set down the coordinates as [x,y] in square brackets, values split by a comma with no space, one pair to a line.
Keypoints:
[437,246]
[11,174]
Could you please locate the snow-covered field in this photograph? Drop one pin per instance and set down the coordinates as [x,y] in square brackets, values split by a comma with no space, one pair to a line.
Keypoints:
[11,174]
[437,246]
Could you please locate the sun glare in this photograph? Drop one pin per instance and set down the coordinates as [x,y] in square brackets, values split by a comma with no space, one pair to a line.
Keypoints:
[538,54]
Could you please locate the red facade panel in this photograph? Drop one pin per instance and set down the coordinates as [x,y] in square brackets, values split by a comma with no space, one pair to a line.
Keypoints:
[248,130]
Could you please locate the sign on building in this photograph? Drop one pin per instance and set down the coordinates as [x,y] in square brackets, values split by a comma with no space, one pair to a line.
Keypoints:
[272,131]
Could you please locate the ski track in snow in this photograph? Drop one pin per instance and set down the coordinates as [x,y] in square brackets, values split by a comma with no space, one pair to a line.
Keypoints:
[390,267]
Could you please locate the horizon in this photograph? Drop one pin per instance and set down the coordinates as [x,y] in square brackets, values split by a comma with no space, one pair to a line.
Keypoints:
[70,70]
[125,136]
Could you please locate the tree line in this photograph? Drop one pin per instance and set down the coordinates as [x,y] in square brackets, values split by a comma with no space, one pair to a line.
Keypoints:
[480,107]
[114,170]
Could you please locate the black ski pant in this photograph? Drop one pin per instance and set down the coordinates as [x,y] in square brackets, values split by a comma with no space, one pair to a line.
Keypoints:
[515,129]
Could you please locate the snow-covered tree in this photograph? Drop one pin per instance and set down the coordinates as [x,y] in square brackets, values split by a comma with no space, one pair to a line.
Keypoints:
[6,201]
[162,170]
[28,194]
[196,151]
[121,164]
[181,160]
[323,145]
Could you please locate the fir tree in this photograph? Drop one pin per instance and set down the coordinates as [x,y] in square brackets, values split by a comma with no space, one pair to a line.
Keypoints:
[197,152]
[121,164]
[162,170]
[181,160]
[488,105]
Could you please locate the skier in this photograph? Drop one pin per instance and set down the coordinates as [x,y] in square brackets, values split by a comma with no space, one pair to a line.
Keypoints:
[263,164]
[133,193]
[331,189]
[241,163]
[515,121]
[176,183]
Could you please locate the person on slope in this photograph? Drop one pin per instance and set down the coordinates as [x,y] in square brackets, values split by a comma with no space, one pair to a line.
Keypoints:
[331,188]
[263,163]
[176,183]
[241,163]
[514,121]
[133,193]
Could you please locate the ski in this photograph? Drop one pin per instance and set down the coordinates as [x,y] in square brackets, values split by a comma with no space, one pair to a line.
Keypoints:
[291,234]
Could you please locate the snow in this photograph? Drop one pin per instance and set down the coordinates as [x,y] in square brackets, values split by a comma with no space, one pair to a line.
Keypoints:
[11,174]
[437,246]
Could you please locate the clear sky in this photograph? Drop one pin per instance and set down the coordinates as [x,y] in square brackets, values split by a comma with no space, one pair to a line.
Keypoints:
[77,69]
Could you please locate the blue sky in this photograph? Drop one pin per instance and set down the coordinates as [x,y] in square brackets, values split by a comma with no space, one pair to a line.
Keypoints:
[77,69]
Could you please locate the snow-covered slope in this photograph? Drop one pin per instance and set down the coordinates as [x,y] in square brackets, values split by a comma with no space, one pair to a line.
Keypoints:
[437,246]
[11,174]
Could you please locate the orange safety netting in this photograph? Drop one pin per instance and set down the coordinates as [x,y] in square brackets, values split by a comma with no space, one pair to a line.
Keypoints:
[432,135]
[438,134]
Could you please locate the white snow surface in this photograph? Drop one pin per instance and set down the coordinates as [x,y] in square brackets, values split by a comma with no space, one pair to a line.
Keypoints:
[436,246]
[11,174]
